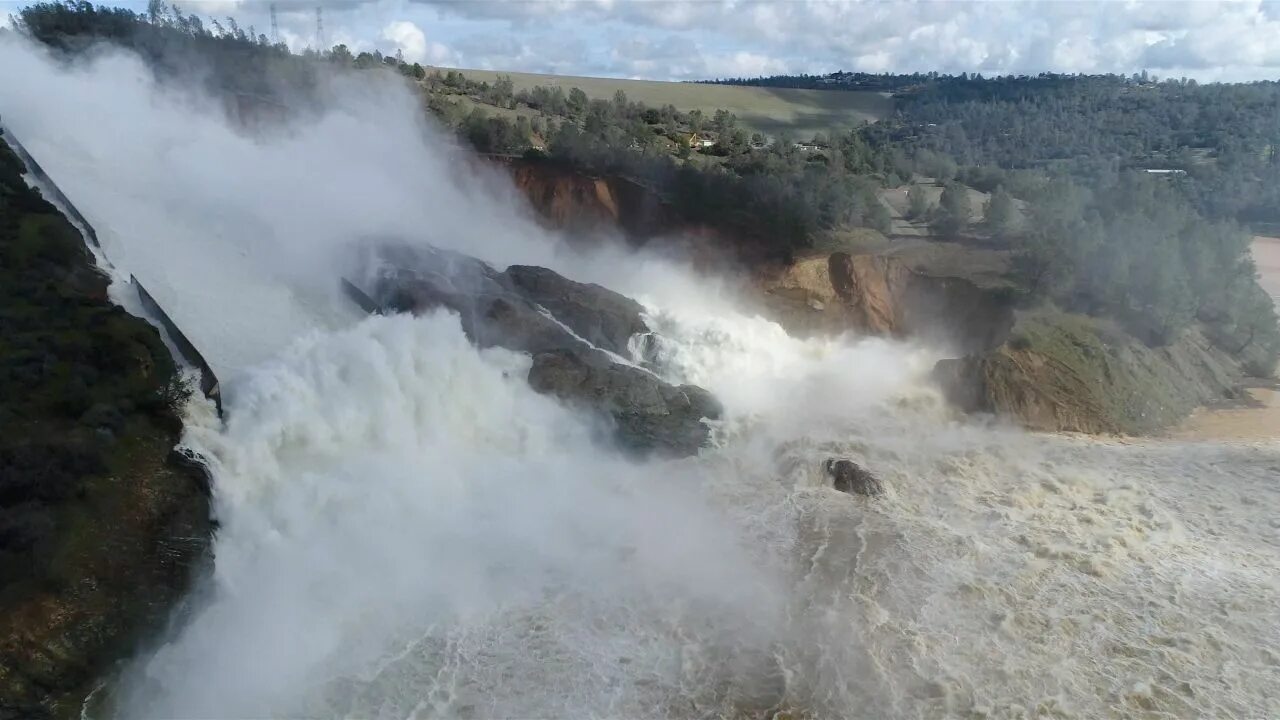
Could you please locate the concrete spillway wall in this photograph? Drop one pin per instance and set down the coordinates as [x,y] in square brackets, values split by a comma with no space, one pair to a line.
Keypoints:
[208,381]
[50,187]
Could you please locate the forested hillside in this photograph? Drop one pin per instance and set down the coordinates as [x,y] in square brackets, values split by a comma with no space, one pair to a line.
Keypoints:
[1220,139]
[98,530]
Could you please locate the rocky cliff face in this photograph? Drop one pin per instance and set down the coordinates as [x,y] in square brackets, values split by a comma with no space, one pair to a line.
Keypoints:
[883,295]
[583,205]
[579,203]
[575,333]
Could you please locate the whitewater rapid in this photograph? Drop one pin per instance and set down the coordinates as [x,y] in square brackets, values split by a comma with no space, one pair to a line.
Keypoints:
[407,530]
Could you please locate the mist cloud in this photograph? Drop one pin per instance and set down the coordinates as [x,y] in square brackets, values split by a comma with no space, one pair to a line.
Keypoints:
[392,500]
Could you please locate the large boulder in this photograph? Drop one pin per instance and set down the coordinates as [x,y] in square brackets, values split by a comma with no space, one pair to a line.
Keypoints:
[600,316]
[648,415]
[575,333]
[850,477]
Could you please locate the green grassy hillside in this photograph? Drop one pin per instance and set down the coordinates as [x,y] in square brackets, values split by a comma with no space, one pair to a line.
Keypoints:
[767,110]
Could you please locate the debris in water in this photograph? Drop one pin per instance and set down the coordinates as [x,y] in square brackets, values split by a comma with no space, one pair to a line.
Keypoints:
[851,478]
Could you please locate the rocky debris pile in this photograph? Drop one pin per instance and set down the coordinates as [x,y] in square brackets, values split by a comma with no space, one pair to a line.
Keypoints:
[849,477]
[576,333]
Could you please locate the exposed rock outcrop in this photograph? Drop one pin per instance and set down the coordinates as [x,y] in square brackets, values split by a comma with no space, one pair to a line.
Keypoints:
[584,206]
[575,333]
[1061,377]
[883,295]
[650,415]
[576,202]
[849,477]
[598,315]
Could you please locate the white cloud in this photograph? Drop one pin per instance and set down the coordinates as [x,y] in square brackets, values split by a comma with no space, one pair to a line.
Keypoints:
[1217,39]
[408,38]
[691,39]
[412,41]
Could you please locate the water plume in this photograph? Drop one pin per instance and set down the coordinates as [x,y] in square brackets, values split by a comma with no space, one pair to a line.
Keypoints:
[409,531]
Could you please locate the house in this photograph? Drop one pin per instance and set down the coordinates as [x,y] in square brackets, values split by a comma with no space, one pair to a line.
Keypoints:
[700,140]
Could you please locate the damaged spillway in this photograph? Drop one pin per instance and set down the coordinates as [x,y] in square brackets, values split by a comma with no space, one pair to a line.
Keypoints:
[418,519]
[576,334]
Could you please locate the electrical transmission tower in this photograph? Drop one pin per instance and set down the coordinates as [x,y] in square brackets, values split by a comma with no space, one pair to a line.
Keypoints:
[275,26]
[319,28]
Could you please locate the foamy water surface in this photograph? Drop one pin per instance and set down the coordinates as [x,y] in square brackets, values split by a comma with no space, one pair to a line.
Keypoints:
[407,530]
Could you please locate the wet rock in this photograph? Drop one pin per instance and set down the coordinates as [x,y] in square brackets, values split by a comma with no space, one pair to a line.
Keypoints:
[849,477]
[574,332]
[962,383]
[600,316]
[648,415]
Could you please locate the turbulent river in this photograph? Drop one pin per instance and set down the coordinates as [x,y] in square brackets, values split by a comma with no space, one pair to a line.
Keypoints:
[407,530]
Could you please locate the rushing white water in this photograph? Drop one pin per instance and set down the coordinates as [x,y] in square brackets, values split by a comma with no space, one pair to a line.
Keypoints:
[408,531]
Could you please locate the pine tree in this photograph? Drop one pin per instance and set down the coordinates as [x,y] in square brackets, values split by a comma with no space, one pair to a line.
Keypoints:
[917,203]
[999,213]
[954,212]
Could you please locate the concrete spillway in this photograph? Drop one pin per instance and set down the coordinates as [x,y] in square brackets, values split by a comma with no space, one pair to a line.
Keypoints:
[212,266]
[186,349]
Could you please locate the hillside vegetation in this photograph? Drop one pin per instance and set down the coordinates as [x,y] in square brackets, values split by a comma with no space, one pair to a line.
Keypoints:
[1217,142]
[774,111]
[97,530]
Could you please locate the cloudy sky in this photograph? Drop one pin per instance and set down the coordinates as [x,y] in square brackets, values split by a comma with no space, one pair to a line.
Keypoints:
[688,39]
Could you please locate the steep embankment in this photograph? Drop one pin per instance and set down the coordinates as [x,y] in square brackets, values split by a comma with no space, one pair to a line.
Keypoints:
[1070,372]
[1266,254]
[1061,371]
[584,205]
[1047,370]
[886,295]
[100,526]
[577,202]
[1256,415]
